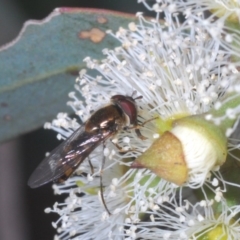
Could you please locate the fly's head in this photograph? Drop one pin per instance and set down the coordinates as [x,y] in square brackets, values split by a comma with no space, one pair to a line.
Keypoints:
[128,106]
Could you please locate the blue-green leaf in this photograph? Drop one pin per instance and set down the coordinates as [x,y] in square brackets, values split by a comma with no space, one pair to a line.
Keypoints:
[38,69]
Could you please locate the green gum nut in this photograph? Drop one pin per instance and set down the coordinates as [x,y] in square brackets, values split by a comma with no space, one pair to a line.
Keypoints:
[191,140]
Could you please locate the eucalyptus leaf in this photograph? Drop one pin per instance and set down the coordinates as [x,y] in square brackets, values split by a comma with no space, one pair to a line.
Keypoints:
[38,69]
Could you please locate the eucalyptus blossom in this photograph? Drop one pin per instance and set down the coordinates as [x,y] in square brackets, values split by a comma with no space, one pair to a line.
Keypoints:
[188,111]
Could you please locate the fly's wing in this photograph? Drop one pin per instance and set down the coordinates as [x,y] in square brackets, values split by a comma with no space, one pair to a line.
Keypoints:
[65,158]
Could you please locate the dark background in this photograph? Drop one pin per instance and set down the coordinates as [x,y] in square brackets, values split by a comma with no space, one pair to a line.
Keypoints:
[22,214]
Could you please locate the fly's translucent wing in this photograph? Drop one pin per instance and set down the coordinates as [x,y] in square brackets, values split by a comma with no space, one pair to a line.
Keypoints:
[65,158]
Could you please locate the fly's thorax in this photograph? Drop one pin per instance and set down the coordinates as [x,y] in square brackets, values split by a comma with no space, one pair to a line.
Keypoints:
[110,118]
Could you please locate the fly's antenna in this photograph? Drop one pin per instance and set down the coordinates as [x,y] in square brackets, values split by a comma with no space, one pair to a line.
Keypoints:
[138,97]
[134,93]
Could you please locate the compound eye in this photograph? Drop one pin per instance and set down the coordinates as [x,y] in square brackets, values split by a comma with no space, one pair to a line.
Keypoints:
[128,106]
[129,109]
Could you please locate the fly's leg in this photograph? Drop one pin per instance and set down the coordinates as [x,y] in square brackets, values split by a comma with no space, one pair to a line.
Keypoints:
[137,131]
[143,124]
[122,151]
[91,166]
[101,183]
[138,126]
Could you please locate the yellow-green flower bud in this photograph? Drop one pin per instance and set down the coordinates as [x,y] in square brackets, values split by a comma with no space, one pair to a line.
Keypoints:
[186,153]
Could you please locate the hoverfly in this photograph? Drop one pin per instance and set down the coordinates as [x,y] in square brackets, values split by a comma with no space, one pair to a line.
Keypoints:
[103,124]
